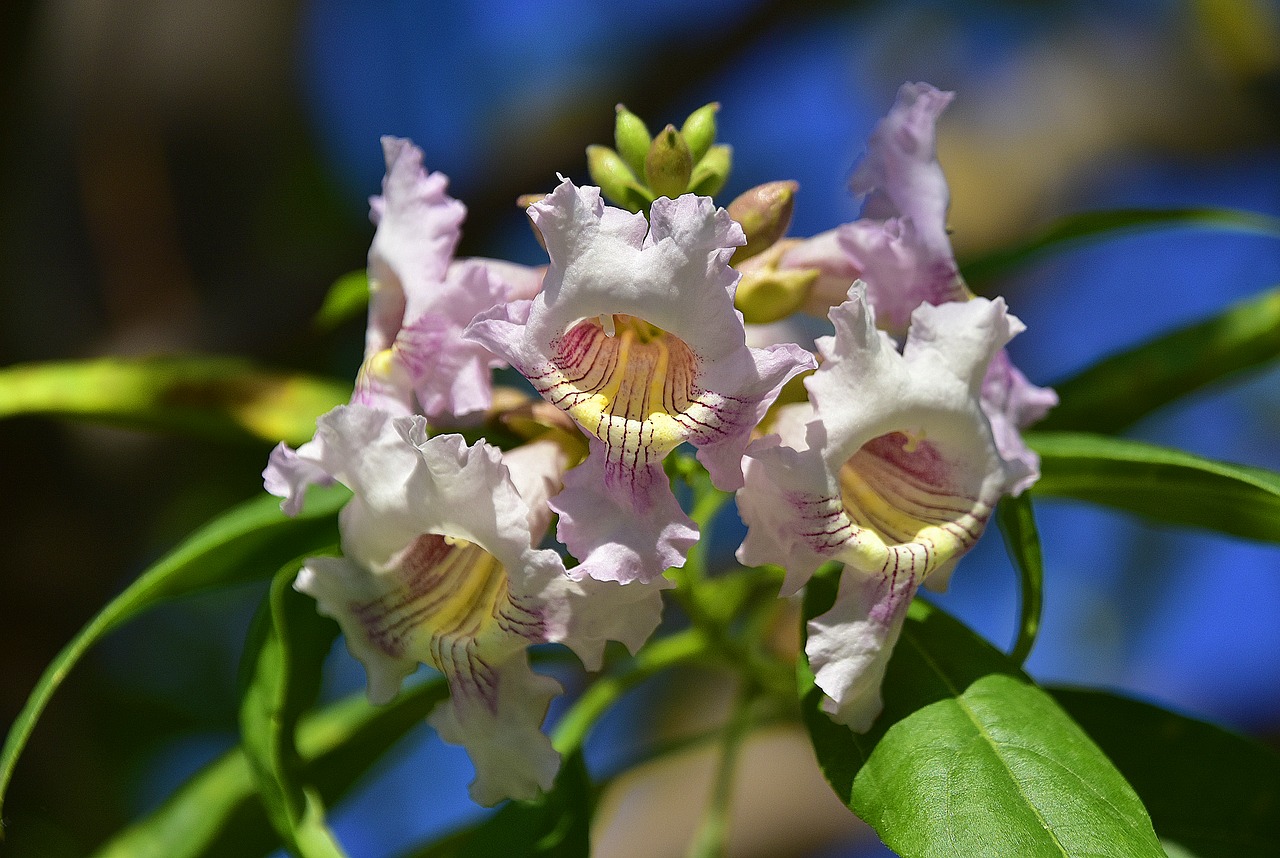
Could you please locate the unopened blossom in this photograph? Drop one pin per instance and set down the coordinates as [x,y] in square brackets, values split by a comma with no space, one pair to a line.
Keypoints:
[634,335]
[439,567]
[891,468]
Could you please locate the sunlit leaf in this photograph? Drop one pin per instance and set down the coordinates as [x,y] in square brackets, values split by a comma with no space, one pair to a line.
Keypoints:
[1022,541]
[1213,793]
[557,825]
[1160,483]
[347,298]
[281,672]
[251,541]
[218,397]
[217,812]
[971,758]
[1083,227]
[1119,390]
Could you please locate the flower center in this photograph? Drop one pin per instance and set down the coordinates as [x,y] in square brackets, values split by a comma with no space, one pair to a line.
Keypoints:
[629,383]
[908,509]
[449,599]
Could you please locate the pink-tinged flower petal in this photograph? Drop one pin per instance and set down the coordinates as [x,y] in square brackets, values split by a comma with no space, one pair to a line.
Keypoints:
[900,175]
[513,758]
[901,270]
[289,473]
[893,470]
[1012,403]
[849,646]
[635,336]
[439,568]
[421,299]
[629,532]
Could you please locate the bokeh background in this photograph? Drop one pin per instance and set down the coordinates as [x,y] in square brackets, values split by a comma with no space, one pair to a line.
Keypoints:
[190,176]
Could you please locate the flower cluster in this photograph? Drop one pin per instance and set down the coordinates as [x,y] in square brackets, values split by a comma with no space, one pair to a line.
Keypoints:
[891,465]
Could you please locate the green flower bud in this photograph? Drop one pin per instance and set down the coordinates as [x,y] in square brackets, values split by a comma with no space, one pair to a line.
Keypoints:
[631,136]
[764,212]
[712,171]
[668,165]
[771,294]
[615,179]
[699,130]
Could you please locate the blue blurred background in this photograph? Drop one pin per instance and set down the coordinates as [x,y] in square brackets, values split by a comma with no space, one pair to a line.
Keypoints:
[185,176]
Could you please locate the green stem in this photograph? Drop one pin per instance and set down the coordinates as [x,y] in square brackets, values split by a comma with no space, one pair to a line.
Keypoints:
[686,646]
[712,836]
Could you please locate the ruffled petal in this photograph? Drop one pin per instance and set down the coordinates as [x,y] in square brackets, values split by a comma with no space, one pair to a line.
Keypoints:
[849,646]
[289,473]
[513,758]
[1012,403]
[632,532]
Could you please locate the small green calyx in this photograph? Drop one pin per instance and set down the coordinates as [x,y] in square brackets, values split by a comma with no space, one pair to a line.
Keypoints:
[631,138]
[712,171]
[616,180]
[771,294]
[669,164]
[699,130]
[764,212]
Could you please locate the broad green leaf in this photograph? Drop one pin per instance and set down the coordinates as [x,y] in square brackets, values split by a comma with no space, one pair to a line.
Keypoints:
[250,541]
[1212,792]
[970,758]
[558,825]
[348,298]
[281,672]
[1118,391]
[1022,541]
[217,813]
[1163,484]
[1078,228]
[217,397]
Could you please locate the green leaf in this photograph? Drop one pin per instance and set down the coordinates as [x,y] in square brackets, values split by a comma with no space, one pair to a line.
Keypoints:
[218,813]
[1160,483]
[1118,391]
[211,397]
[1022,542]
[1210,791]
[970,758]
[347,298]
[248,542]
[558,825]
[1078,228]
[282,663]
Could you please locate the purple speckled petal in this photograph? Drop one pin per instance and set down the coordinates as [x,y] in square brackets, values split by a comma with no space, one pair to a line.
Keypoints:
[849,646]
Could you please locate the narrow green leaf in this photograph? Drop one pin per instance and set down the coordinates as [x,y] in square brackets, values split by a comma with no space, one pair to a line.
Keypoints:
[1160,483]
[558,825]
[347,298]
[1078,228]
[282,663]
[218,397]
[1212,792]
[1022,542]
[245,543]
[1118,391]
[970,758]
[217,812]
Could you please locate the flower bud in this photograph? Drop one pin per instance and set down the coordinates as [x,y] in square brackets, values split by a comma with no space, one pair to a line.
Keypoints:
[764,213]
[631,137]
[616,181]
[712,171]
[699,130]
[668,165]
[770,294]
